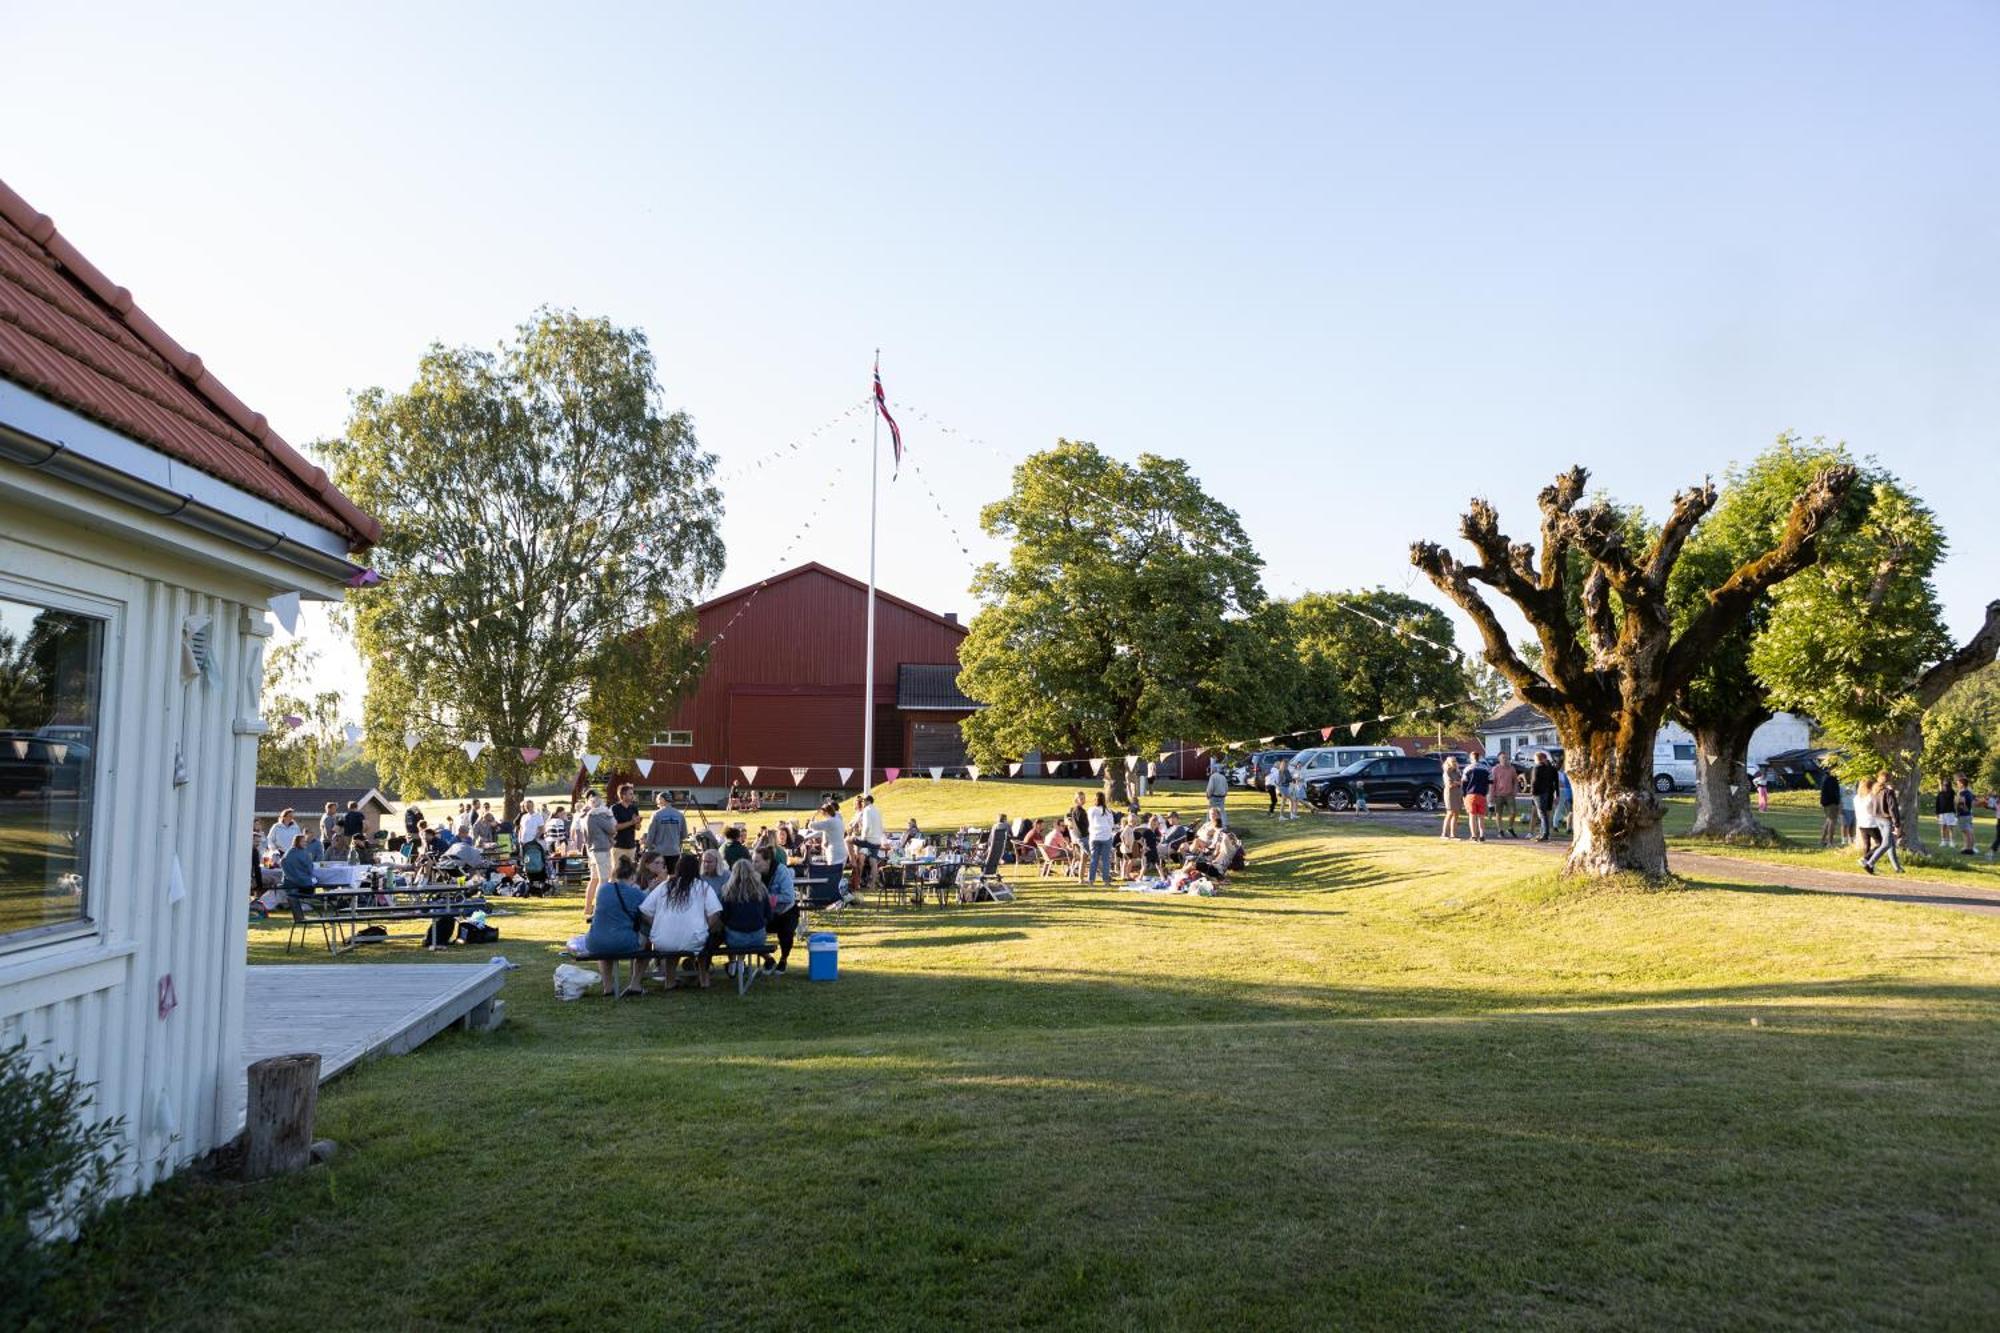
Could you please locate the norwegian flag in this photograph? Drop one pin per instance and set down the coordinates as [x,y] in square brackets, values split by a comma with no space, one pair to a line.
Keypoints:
[882,406]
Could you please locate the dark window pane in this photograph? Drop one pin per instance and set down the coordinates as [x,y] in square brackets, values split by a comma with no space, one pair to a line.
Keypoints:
[50,695]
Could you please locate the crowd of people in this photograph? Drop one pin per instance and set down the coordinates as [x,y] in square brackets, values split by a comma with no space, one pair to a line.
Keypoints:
[1100,844]
[1869,816]
[1487,797]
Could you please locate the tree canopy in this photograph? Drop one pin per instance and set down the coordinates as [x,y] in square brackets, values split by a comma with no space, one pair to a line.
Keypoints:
[302,755]
[1123,618]
[1376,653]
[548,526]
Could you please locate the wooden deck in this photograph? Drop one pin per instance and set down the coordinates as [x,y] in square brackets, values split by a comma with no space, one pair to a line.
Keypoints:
[348,1012]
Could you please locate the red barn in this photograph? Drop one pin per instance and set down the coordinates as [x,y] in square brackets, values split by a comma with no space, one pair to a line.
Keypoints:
[784,690]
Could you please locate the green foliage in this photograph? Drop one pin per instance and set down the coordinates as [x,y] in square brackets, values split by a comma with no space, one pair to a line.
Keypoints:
[1962,732]
[1381,657]
[547,529]
[1846,640]
[305,755]
[55,1169]
[1127,615]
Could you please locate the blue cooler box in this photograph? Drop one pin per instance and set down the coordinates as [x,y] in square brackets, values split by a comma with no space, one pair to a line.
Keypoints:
[822,955]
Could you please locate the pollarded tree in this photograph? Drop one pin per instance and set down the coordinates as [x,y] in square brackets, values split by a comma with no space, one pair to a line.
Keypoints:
[547,527]
[1724,703]
[1606,683]
[1123,618]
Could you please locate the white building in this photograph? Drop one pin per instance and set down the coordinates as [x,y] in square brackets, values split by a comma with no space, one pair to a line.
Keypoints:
[146,518]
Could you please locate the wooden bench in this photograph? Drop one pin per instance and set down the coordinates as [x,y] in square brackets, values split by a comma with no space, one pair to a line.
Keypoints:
[340,916]
[764,956]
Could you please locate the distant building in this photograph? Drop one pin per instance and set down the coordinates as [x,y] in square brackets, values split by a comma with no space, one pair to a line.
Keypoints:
[309,803]
[1523,727]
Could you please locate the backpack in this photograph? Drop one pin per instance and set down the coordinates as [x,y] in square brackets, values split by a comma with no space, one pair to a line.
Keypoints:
[477,932]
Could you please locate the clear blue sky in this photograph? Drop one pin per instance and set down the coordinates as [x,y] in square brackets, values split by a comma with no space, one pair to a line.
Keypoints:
[1354,265]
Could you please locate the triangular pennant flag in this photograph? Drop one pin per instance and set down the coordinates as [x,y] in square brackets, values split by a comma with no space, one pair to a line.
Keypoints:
[845,774]
[352,732]
[891,774]
[292,720]
[472,748]
[177,888]
[1166,755]
[749,772]
[973,771]
[285,606]
[20,748]
[1354,728]
[1326,733]
[1096,767]
[410,739]
[645,767]
[1013,770]
[591,761]
[1265,740]
[798,776]
[700,771]
[1131,761]
[530,753]
[937,774]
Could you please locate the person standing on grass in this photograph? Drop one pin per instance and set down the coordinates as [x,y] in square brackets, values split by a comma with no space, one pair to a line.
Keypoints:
[329,824]
[1478,782]
[1102,830]
[531,823]
[1946,810]
[1831,831]
[1276,784]
[667,828]
[599,828]
[1963,799]
[410,817]
[1505,784]
[1295,790]
[1454,799]
[1078,820]
[1217,789]
[625,820]
[1543,784]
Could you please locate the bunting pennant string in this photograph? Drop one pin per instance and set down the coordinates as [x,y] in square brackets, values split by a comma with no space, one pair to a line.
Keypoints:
[1096,767]
[700,772]
[590,763]
[1354,728]
[803,442]
[937,773]
[472,749]
[645,767]
[1013,770]
[892,773]
[799,775]
[530,753]
[294,721]
[411,740]
[285,606]
[972,771]
[749,772]
[1326,733]
[845,774]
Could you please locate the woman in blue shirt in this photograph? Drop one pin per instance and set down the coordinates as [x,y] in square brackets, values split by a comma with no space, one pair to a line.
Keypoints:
[746,909]
[778,884]
[297,867]
[616,929]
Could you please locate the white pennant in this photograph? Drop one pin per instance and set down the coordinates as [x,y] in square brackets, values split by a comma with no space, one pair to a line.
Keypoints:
[700,771]
[410,739]
[798,776]
[1013,770]
[285,606]
[20,748]
[177,888]
[591,761]
[937,774]
[845,774]
[1354,728]
[1096,767]
[749,772]
[1131,761]
[472,748]
[973,769]
[645,767]
[352,732]
[59,751]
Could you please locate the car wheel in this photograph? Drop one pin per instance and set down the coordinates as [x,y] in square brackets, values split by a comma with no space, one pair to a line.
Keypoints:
[1427,798]
[1338,800]
[1663,783]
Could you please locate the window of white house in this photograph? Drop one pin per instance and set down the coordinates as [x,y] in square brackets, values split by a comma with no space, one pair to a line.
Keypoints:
[674,739]
[51,687]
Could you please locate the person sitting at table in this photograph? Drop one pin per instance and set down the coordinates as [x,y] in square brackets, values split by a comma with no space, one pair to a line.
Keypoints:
[712,871]
[616,928]
[652,870]
[733,849]
[778,884]
[297,868]
[787,839]
[1028,847]
[746,910]
[686,915]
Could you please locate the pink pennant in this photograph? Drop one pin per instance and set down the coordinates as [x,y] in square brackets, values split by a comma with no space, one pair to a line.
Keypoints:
[892,773]
[1326,733]
[530,753]
[294,721]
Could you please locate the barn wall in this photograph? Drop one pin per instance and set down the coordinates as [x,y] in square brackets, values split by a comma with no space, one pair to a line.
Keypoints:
[91,1001]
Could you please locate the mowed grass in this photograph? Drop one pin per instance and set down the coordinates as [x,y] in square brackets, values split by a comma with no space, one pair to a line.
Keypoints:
[1381,1082]
[1796,816]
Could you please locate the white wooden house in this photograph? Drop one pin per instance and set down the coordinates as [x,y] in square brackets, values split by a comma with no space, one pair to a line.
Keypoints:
[146,518]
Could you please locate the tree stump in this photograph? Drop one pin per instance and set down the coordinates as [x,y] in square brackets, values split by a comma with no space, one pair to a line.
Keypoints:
[278,1130]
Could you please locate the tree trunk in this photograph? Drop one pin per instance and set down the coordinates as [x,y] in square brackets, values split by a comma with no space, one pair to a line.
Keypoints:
[278,1128]
[1615,812]
[1907,745]
[1722,807]
[1117,784]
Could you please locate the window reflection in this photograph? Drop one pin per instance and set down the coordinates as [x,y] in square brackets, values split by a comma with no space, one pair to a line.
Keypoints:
[50,697]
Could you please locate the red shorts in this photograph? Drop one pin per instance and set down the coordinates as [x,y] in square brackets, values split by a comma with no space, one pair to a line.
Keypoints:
[1475,805]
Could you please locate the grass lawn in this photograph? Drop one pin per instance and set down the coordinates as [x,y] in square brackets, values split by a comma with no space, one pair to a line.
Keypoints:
[1795,814]
[1382,1081]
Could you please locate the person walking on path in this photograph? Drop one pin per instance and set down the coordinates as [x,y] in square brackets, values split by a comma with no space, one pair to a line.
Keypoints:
[1505,784]
[1542,785]
[1454,799]
[1962,798]
[1478,781]
[1102,831]
[1830,831]
[1218,791]
[1888,823]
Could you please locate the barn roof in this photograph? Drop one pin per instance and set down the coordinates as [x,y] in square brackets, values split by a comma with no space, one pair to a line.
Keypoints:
[71,335]
[931,688]
[815,567]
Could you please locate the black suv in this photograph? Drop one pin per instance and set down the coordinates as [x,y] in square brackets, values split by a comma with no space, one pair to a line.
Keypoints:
[1409,782]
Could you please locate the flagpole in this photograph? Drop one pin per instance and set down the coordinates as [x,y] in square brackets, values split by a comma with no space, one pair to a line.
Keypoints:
[868,671]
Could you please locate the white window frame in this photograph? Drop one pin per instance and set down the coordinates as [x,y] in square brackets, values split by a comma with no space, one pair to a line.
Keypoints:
[110,676]
[665,740]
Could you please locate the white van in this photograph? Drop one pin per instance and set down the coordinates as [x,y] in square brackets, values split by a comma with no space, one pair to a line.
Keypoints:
[1673,765]
[1326,760]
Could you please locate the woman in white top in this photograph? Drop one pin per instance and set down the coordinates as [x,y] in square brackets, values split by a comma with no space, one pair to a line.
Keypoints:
[832,831]
[1102,830]
[685,912]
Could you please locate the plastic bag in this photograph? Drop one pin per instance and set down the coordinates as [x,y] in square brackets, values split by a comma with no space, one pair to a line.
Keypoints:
[573,983]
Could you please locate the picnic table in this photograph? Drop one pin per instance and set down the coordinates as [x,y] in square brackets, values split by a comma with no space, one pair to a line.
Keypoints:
[340,913]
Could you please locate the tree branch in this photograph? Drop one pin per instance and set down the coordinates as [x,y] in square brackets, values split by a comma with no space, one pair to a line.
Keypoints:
[1557,500]
[1978,651]
[1690,507]
[1455,581]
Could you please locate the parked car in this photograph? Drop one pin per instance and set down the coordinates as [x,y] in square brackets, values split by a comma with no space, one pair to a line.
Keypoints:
[1411,781]
[1324,761]
[1250,772]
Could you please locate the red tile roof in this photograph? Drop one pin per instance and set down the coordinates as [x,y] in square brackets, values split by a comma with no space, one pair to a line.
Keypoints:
[69,334]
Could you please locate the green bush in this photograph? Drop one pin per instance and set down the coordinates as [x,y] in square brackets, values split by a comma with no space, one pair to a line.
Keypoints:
[56,1167]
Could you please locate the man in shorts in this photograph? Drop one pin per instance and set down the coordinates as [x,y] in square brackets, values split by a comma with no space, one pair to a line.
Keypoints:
[1505,785]
[1478,782]
[600,828]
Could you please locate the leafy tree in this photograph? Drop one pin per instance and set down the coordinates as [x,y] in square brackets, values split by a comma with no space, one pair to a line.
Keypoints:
[1859,643]
[1962,733]
[1723,704]
[1371,654]
[1612,661]
[301,756]
[1127,615]
[548,526]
